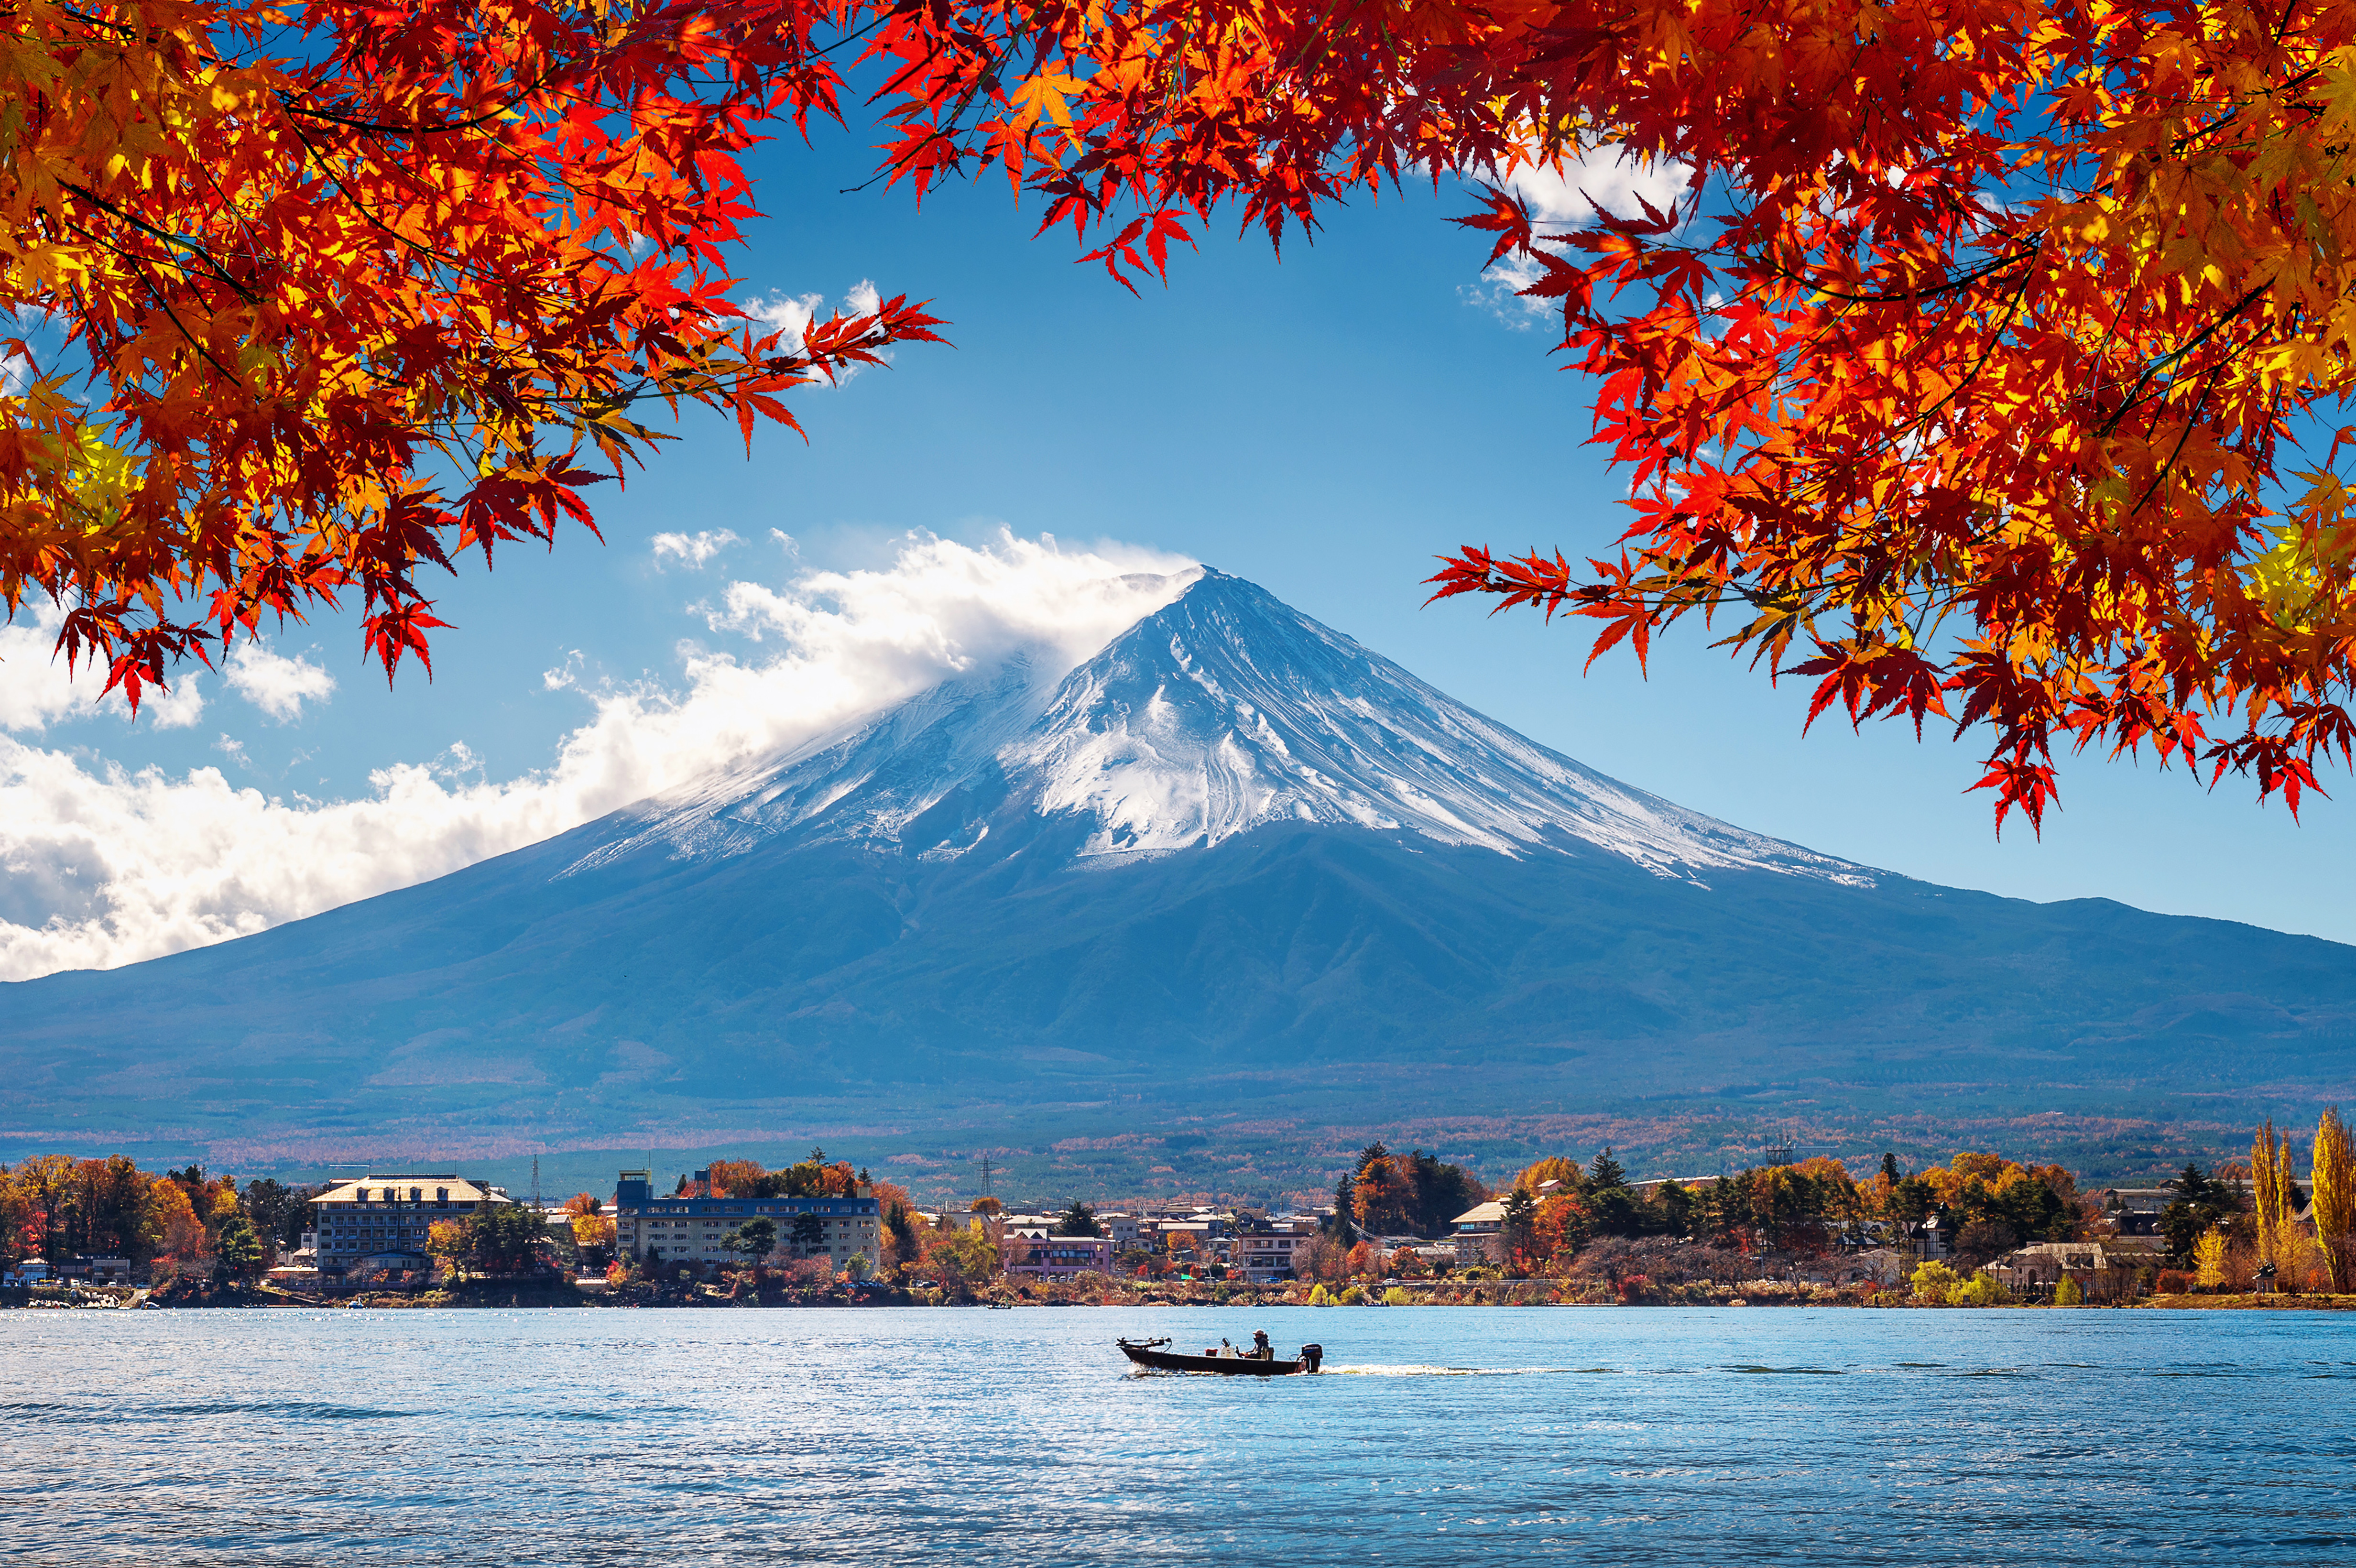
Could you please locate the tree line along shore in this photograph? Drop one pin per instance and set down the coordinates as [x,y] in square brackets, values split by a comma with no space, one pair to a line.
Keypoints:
[1400,1230]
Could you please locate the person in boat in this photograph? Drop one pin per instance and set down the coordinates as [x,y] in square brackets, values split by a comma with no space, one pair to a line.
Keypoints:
[1261,1349]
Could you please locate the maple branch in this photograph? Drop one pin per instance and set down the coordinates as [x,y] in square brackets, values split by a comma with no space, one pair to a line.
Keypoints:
[123,29]
[2154,368]
[2191,417]
[287,100]
[1952,286]
[985,80]
[361,206]
[143,226]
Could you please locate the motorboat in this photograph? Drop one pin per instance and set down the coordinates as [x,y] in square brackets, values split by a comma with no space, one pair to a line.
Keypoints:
[1222,1359]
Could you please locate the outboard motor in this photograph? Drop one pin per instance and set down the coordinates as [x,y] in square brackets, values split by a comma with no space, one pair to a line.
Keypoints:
[1312,1354]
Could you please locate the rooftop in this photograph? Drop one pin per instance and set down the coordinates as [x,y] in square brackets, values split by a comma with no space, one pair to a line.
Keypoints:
[413,1189]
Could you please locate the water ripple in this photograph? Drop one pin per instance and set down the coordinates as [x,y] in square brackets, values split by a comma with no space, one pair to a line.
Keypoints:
[628,1440]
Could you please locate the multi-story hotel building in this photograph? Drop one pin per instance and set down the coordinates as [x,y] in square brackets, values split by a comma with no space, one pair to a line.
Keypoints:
[1265,1251]
[1062,1257]
[385,1217]
[688,1230]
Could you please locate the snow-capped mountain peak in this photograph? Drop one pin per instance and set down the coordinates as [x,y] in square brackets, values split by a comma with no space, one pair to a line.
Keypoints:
[1224,712]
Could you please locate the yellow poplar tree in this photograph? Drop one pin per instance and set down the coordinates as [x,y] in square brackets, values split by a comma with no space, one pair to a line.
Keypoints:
[445,1242]
[2209,1258]
[2335,1196]
[2270,1195]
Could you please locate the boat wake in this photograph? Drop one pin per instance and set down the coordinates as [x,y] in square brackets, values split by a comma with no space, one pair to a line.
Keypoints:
[1443,1371]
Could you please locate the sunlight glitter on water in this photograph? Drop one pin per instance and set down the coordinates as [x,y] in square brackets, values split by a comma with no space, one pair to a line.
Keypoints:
[1453,1435]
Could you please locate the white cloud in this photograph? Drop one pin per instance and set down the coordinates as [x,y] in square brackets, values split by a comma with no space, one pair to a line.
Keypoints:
[161,863]
[792,314]
[1610,176]
[789,314]
[1615,180]
[693,549]
[275,683]
[567,674]
[1499,292]
[35,327]
[178,709]
[37,690]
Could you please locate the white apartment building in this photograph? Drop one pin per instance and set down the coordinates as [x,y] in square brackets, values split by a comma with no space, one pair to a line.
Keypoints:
[681,1229]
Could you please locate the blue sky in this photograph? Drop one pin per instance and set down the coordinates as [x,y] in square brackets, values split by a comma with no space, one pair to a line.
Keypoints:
[1324,424]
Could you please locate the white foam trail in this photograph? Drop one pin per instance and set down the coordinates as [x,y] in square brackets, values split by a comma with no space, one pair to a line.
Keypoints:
[1423,1372]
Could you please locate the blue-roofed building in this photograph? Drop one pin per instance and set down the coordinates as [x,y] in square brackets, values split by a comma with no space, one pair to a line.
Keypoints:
[687,1229]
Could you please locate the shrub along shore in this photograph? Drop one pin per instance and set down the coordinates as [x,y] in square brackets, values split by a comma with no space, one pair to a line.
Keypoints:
[1804,1233]
[540,1293]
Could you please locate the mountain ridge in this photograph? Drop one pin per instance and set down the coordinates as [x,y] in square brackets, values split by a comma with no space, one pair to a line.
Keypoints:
[1231,867]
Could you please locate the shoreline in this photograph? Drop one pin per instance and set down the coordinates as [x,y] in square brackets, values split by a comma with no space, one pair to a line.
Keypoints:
[518,1294]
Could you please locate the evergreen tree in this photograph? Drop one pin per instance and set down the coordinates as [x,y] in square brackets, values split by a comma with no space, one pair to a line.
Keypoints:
[239,1250]
[1344,1228]
[754,1239]
[267,1203]
[809,1232]
[900,1228]
[1516,1228]
[1606,1171]
[2202,1201]
[504,1238]
[1672,1209]
[1079,1219]
[1727,1208]
[1438,1193]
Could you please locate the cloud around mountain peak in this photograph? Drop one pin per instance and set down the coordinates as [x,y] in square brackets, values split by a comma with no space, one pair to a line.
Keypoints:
[1222,712]
[101,866]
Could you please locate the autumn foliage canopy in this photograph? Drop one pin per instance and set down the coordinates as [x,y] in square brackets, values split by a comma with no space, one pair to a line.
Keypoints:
[355,289]
[1986,370]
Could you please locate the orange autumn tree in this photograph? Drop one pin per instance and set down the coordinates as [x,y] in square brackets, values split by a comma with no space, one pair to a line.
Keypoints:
[179,1232]
[1987,371]
[307,297]
[592,1228]
[1990,372]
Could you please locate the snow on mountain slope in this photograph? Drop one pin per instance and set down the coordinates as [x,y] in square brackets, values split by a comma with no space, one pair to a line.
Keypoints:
[1224,711]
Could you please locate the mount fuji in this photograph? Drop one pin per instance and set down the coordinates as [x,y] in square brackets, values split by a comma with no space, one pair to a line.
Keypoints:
[1232,870]
[1223,714]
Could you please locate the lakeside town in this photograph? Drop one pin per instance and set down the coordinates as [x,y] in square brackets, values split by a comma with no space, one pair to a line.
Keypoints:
[1398,1229]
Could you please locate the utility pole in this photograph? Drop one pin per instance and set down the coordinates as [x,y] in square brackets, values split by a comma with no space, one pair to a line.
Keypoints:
[535,1184]
[985,1175]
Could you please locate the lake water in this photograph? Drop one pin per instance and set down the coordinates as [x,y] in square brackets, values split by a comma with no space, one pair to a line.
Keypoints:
[1437,1435]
